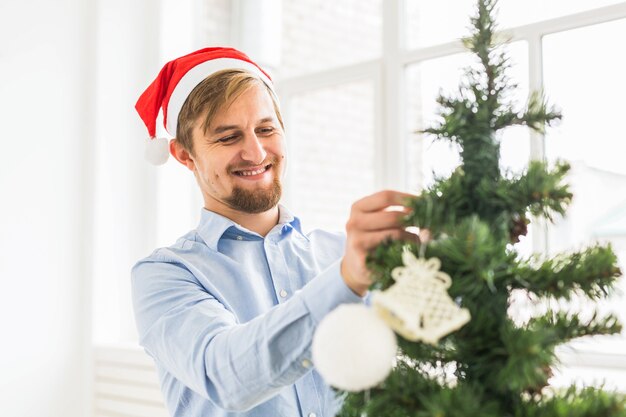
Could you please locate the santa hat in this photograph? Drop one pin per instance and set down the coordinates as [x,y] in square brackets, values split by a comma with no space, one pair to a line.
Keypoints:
[173,85]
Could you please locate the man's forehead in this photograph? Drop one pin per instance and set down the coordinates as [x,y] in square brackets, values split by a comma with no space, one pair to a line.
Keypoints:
[218,128]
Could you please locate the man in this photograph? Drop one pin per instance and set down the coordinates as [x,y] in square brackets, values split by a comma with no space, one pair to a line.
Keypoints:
[228,312]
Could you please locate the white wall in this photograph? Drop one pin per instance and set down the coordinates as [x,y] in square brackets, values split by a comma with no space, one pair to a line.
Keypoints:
[70,73]
[46,115]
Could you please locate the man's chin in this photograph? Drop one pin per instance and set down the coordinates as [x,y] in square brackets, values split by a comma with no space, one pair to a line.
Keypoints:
[256,200]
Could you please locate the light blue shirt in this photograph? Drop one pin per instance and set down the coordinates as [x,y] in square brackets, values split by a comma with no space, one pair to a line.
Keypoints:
[228,317]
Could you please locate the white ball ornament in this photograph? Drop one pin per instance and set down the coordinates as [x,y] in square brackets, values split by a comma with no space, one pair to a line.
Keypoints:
[353,348]
[157,151]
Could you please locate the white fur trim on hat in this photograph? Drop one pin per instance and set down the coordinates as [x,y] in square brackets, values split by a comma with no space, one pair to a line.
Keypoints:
[195,76]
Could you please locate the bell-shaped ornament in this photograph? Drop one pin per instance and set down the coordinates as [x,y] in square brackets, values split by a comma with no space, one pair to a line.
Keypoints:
[417,306]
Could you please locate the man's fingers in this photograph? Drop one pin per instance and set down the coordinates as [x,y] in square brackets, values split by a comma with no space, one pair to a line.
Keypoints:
[372,239]
[381,200]
[381,220]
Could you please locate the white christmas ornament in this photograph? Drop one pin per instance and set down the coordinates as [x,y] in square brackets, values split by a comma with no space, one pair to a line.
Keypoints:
[157,151]
[353,348]
[418,306]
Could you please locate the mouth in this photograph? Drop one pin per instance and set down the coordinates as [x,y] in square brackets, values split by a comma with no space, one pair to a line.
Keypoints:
[253,173]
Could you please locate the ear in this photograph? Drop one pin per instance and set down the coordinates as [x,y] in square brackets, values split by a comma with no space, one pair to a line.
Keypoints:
[181,154]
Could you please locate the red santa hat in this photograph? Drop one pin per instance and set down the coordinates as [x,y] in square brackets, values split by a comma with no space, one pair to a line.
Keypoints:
[173,85]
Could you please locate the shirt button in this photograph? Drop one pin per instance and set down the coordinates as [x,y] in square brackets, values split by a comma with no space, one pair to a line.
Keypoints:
[239,237]
[312,415]
[306,363]
[283,293]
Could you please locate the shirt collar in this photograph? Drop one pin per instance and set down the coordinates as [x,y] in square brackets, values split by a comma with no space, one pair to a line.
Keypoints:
[288,220]
[213,226]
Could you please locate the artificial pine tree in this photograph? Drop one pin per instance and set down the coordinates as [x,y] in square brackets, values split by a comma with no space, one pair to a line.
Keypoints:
[492,366]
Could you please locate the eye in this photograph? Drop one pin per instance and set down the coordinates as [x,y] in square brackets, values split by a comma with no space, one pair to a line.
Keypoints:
[227,139]
[266,130]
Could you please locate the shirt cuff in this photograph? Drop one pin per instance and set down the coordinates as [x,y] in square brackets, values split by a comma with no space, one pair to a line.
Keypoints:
[326,292]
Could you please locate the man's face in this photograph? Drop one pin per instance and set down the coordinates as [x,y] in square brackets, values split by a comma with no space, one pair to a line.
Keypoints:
[239,161]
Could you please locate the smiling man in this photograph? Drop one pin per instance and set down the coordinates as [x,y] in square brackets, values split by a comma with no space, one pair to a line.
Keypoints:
[228,312]
[238,153]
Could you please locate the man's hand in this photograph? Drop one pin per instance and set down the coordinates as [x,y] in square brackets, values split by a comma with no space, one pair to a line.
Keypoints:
[373,219]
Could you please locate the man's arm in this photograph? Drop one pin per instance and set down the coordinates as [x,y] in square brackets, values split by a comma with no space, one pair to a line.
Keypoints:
[238,366]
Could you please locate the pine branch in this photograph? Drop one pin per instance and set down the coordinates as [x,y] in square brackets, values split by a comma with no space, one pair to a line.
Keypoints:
[473,251]
[575,402]
[457,118]
[539,191]
[529,354]
[383,259]
[537,115]
[407,393]
[463,114]
[567,326]
[427,354]
[464,400]
[438,208]
[398,396]
[593,272]
[449,201]
[530,349]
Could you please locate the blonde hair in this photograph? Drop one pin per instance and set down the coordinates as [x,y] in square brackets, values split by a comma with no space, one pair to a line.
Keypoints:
[208,97]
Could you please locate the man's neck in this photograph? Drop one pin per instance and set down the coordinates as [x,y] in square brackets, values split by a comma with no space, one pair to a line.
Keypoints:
[260,223]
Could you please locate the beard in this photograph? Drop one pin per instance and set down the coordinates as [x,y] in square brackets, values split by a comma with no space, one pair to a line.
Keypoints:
[259,200]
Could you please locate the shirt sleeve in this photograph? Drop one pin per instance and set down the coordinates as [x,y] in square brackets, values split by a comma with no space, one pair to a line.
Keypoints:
[199,341]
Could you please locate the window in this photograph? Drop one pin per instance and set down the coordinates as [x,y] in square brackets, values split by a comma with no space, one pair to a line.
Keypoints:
[332,158]
[437,22]
[319,35]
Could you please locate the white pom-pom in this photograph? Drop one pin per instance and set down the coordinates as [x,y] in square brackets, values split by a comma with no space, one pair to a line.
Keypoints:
[157,151]
[353,349]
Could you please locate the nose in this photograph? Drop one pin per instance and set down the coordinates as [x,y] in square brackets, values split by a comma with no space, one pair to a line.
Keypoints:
[253,150]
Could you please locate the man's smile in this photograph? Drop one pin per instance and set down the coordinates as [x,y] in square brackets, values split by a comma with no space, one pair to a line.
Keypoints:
[254,172]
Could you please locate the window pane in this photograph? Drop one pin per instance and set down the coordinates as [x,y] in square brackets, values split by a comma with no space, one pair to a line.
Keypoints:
[428,158]
[430,23]
[516,13]
[321,34]
[331,144]
[606,376]
[585,77]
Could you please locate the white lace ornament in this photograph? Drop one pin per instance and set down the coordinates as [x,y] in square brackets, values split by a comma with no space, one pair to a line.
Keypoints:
[417,306]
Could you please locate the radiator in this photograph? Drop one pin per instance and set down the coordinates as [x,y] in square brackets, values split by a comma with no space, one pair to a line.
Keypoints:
[126,383]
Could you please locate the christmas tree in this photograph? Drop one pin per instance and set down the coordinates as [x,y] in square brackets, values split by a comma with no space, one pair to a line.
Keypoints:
[493,365]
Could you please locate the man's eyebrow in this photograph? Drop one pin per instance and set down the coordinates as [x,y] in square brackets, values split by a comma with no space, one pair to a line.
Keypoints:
[224,128]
